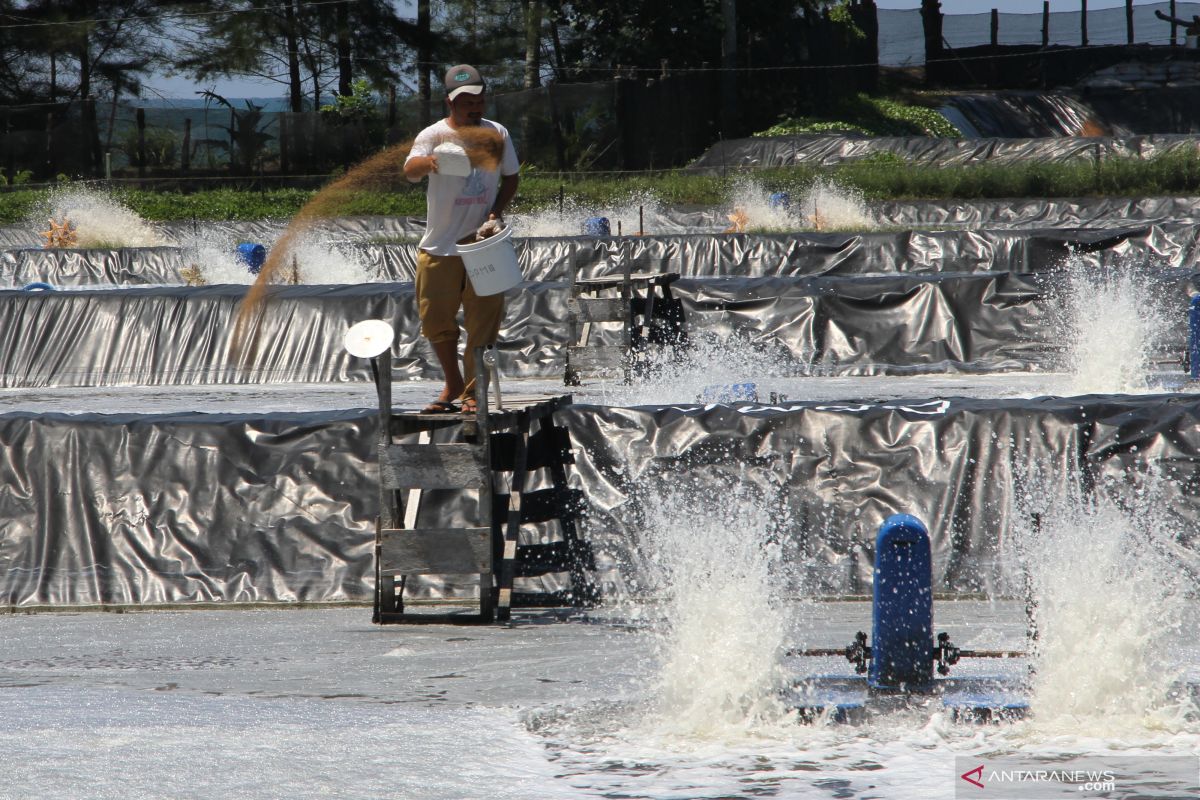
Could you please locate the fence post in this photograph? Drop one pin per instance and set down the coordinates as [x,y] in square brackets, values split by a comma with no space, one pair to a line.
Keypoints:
[9,156]
[1174,41]
[931,24]
[141,154]
[1083,23]
[50,145]
[993,66]
[1045,23]
[283,142]
[185,158]
[1129,21]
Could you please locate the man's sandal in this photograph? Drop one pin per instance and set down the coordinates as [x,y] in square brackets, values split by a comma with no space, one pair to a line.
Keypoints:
[440,407]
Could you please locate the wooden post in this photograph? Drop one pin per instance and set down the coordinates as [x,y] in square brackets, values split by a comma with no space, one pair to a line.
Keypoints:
[10,161]
[283,143]
[1045,23]
[1128,21]
[1174,41]
[50,145]
[1083,23]
[931,23]
[993,66]
[141,153]
[185,158]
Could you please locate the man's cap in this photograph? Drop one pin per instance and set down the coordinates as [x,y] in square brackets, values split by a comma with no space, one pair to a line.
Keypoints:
[463,79]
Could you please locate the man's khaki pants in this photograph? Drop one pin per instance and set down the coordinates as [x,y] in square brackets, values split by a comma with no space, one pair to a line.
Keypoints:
[442,287]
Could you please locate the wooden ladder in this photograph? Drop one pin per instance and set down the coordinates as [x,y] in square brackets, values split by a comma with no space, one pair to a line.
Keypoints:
[636,308]
[484,463]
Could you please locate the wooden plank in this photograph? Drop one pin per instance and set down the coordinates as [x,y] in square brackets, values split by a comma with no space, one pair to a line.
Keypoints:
[596,359]
[544,505]
[608,309]
[513,520]
[437,551]
[431,466]
[609,281]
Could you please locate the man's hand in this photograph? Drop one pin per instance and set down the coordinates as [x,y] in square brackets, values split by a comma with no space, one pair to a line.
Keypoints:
[489,228]
[417,168]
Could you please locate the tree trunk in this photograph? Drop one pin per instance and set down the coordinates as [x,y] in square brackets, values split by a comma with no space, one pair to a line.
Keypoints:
[345,78]
[295,90]
[424,59]
[533,43]
[729,104]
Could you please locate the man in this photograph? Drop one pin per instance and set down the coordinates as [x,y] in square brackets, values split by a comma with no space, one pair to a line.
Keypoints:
[455,208]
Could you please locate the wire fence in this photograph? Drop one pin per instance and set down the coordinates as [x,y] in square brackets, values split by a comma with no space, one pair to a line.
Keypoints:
[641,119]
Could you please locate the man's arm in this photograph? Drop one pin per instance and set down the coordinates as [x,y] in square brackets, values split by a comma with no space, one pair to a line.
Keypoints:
[504,196]
[417,167]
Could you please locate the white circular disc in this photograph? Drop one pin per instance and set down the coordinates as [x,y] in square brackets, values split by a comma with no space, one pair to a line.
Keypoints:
[369,338]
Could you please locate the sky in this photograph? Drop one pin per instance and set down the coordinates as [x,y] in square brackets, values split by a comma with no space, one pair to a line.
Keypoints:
[161,86]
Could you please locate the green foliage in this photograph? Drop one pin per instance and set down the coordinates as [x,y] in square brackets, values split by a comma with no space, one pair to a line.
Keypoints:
[881,177]
[359,105]
[247,135]
[840,13]
[874,116]
[161,147]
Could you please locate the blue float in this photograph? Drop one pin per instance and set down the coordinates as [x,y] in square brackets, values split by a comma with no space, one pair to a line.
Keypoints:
[780,200]
[902,614]
[596,226]
[729,393]
[900,659]
[253,256]
[37,286]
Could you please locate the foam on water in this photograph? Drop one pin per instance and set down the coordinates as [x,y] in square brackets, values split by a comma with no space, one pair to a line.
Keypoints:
[1113,323]
[99,219]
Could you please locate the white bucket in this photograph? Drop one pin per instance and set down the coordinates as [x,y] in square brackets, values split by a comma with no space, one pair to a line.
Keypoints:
[491,264]
[452,160]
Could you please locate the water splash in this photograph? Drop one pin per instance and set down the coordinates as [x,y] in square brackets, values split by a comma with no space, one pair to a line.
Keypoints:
[716,562]
[1110,580]
[1114,325]
[319,258]
[821,206]
[99,219]
[637,209]
[681,375]
[828,206]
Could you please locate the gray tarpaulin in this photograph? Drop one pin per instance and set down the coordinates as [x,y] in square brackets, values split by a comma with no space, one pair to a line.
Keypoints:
[826,150]
[746,255]
[1036,213]
[845,324]
[155,336]
[832,473]
[280,507]
[191,507]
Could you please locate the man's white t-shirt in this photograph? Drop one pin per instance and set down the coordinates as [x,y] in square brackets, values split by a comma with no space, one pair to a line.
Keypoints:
[456,207]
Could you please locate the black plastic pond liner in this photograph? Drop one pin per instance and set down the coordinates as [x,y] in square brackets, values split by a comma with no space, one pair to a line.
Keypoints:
[280,508]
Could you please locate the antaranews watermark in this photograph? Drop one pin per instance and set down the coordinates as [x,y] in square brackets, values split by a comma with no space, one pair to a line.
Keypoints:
[1043,778]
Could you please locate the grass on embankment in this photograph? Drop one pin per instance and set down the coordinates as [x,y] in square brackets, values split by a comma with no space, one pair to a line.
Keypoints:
[878,178]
